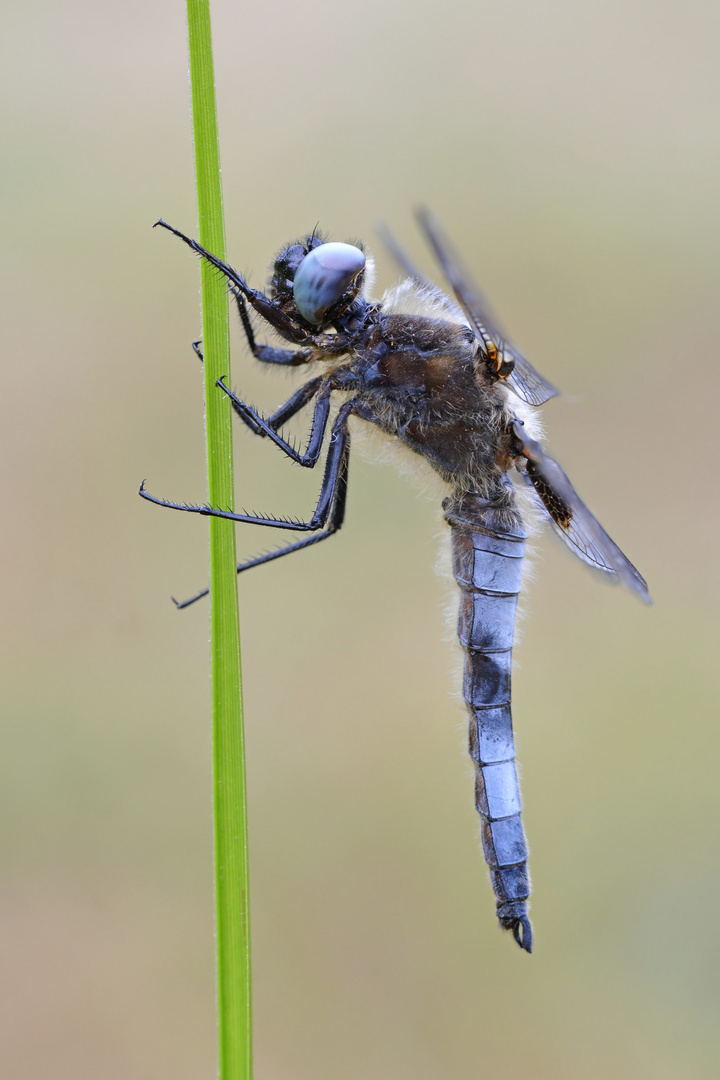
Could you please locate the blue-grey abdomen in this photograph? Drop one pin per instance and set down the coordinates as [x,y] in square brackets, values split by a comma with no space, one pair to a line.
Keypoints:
[487,563]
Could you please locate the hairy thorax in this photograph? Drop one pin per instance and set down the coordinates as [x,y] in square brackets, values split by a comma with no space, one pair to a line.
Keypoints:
[419,379]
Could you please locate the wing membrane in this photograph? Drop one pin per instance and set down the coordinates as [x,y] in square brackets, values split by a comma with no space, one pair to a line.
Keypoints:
[404,261]
[572,520]
[524,380]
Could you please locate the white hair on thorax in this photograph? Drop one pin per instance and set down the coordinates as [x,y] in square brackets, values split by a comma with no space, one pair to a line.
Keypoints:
[413,297]
[369,279]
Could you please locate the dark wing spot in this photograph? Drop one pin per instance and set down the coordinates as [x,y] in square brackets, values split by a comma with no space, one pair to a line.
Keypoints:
[556,507]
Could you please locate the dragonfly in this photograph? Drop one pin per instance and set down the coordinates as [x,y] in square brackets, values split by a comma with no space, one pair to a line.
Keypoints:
[435,373]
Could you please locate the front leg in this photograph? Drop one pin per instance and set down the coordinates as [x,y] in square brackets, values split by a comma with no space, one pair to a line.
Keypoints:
[334,478]
[267,354]
[288,327]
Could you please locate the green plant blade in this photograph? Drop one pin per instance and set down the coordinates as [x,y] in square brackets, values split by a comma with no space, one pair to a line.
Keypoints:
[232,911]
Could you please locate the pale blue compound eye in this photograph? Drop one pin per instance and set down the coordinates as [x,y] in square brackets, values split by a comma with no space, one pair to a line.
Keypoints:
[323,276]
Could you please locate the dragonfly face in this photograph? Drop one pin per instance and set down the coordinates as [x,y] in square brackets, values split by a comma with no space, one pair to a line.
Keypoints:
[317,281]
[439,377]
[327,281]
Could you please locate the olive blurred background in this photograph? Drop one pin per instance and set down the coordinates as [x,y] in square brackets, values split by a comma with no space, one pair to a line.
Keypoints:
[572,152]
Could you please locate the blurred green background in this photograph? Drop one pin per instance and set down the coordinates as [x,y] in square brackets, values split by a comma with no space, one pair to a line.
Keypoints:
[572,151]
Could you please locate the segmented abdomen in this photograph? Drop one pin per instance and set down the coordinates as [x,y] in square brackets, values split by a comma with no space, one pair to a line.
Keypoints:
[487,563]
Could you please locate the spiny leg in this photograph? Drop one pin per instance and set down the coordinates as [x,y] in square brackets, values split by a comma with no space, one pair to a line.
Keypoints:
[245,419]
[336,450]
[266,427]
[267,354]
[290,328]
[334,523]
[295,403]
[285,412]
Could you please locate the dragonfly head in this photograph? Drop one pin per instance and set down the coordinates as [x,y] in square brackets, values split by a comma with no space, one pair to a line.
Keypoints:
[319,279]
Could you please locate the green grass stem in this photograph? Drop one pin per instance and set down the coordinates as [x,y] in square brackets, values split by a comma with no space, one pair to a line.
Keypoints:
[232,907]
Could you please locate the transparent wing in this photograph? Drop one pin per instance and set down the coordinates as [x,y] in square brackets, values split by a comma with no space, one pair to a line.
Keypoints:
[524,380]
[404,261]
[570,517]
